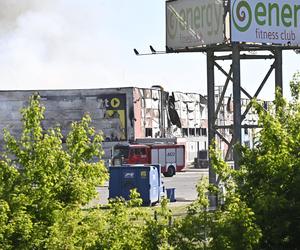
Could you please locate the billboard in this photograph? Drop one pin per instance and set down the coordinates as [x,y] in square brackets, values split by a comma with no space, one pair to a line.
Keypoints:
[266,21]
[114,107]
[193,23]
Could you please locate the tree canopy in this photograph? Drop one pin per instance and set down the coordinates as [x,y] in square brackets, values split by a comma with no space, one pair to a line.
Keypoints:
[41,179]
[269,179]
[45,185]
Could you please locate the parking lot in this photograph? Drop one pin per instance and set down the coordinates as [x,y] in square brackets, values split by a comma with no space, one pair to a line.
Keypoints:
[183,182]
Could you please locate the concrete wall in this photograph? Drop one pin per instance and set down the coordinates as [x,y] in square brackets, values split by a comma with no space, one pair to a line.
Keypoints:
[111,110]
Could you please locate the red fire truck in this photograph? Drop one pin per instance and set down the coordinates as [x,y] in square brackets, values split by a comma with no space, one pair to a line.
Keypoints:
[171,157]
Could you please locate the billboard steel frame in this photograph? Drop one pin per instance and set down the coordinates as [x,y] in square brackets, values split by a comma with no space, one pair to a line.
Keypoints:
[234,52]
[234,76]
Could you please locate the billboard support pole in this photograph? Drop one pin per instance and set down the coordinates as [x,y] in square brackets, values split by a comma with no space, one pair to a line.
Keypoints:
[237,118]
[211,117]
[278,69]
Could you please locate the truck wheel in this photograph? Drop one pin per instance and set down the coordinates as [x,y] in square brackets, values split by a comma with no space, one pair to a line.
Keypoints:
[171,171]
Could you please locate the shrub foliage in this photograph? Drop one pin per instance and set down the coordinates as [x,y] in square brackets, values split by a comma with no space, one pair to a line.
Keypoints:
[44,186]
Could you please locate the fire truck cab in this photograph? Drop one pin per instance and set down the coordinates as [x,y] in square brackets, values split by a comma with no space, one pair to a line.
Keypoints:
[171,157]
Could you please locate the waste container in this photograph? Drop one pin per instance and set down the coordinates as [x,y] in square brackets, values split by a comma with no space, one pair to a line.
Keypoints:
[160,180]
[145,179]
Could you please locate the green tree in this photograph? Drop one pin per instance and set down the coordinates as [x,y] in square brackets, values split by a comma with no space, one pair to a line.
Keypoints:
[124,224]
[158,230]
[43,181]
[269,180]
[44,185]
[231,226]
[192,232]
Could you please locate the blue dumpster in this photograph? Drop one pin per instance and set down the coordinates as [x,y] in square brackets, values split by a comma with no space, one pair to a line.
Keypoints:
[145,179]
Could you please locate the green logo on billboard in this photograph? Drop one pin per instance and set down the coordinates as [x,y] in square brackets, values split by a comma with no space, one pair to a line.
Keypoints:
[241,15]
[172,27]
[268,13]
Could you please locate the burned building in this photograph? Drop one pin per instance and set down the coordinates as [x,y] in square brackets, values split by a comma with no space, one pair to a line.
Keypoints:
[224,122]
[122,114]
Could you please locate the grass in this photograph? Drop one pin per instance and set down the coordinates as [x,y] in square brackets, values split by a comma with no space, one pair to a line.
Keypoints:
[177,210]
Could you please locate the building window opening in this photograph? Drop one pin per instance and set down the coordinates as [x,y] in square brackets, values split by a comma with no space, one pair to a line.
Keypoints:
[185,132]
[191,131]
[148,132]
[203,131]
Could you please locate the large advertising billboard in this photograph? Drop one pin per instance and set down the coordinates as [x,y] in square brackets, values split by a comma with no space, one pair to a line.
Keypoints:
[194,23]
[266,21]
[114,107]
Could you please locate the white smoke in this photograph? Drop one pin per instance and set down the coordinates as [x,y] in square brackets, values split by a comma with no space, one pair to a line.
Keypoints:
[11,10]
[53,44]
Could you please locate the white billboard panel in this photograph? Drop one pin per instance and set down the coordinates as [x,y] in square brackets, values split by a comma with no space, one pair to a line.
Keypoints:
[192,23]
[266,21]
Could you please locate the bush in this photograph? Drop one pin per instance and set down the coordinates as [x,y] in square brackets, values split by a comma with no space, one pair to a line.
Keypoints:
[44,185]
[42,182]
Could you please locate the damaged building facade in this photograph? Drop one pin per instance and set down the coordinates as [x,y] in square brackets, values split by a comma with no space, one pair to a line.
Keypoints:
[122,114]
[131,114]
[224,121]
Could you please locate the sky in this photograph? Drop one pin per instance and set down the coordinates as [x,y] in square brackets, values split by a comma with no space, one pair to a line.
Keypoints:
[73,44]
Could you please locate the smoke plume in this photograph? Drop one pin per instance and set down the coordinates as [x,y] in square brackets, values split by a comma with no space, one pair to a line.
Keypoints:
[53,44]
